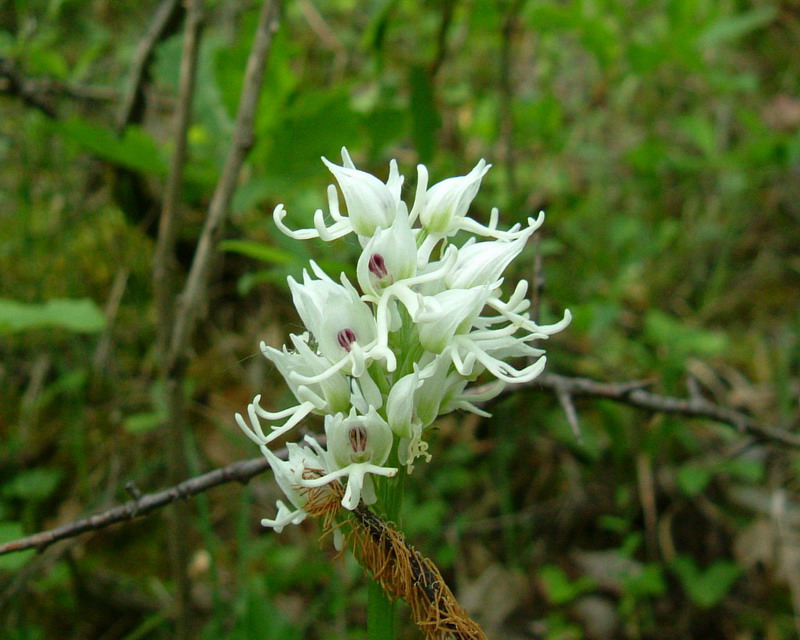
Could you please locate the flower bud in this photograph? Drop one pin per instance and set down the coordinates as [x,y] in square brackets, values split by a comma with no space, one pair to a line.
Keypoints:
[449,200]
[371,204]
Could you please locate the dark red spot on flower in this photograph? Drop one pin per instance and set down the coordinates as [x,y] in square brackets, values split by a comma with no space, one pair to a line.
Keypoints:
[358,438]
[377,266]
[346,337]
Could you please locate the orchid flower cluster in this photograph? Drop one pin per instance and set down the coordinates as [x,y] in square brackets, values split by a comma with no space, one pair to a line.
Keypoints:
[380,362]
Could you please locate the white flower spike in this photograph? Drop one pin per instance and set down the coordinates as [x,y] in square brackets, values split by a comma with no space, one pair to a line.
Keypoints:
[383,362]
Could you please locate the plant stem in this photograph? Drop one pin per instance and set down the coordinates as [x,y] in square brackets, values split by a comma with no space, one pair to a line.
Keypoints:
[380,611]
[380,614]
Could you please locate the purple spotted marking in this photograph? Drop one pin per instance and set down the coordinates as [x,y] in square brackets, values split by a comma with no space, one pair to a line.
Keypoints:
[358,438]
[346,337]
[377,266]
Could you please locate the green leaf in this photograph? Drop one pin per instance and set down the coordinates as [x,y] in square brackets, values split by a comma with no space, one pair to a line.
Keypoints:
[682,340]
[258,251]
[693,479]
[751,471]
[78,315]
[647,582]
[135,150]
[734,27]
[10,531]
[706,588]
[700,131]
[317,123]
[559,588]
[33,484]
[140,423]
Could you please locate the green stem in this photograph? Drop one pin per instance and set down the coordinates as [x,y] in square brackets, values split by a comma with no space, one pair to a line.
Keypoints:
[380,612]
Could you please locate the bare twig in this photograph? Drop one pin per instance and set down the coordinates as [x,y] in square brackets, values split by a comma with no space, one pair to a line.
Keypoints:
[629,393]
[164,292]
[326,35]
[38,91]
[193,297]
[448,8]
[164,22]
[103,349]
[565,400]
[17,85]
[163,259]
[509,28]
[633,394]
[241,471]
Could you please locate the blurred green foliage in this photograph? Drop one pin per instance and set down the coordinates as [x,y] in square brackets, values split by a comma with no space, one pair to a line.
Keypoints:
[663,141]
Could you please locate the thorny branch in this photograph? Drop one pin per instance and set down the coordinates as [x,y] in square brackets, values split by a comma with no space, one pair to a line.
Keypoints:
[628,393]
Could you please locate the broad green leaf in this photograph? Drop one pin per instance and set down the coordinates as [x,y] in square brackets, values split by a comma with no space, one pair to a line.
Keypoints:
[135,150]
[731,28]
[559,588]
[33,484]
[743,469]
[706,587]
[693,479]
[317,124]
[682,340]
[141,423]
[647,582]
[78,315]
[258,251]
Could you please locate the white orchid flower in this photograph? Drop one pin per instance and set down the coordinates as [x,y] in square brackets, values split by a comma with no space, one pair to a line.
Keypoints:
[484,262]
[447,202]
[389,256]
[302,462]
[341,323]
[331,395]
[448,313]
[358,446]
[371,204]
[428,320]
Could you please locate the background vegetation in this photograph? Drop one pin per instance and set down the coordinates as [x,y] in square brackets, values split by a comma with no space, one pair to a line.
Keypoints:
[663,141]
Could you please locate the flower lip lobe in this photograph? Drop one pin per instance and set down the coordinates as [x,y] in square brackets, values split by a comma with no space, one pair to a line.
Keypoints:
[346,337]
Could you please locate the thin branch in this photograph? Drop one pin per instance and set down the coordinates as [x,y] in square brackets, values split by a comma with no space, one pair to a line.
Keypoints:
[326,35]
[164,259]
[164,23]
[565,400]
[241,471]
[17,85]
[629,393]
[633,394]
[102,351]
[193,297]
[509,29]
[164,293]
[448,9]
